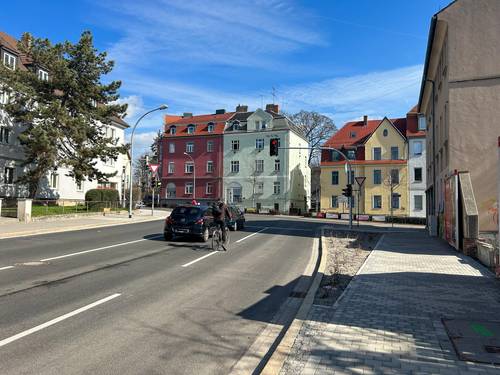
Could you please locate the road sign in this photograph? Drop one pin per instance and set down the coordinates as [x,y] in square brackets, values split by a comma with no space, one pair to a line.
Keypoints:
[154,167]
[360,180]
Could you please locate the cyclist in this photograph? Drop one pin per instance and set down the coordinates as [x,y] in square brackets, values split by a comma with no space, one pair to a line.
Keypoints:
[220,212]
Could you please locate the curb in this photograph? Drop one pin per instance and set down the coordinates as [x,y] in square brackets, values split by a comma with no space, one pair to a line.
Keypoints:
[69,229]
[278,357]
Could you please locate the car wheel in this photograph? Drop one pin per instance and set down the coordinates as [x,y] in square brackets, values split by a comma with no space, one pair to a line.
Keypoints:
[206,235]
[168,236]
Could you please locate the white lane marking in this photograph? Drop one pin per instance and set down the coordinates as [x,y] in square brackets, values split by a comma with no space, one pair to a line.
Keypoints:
[251,235]
[56,320]
[6,268]
[100,248]
[200,258]
[282,228]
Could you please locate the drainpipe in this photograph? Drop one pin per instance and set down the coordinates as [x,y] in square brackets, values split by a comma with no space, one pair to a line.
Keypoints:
[434,182]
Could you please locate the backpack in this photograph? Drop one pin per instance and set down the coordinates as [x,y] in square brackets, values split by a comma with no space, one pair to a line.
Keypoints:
[216,211]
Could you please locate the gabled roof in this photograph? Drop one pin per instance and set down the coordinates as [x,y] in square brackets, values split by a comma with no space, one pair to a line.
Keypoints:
[9,42]
[200,122]
[201,119]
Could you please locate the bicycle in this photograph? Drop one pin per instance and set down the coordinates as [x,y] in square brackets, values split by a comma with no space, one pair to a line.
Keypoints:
[217,241]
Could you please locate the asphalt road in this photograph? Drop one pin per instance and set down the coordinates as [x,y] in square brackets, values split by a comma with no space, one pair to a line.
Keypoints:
[121,300]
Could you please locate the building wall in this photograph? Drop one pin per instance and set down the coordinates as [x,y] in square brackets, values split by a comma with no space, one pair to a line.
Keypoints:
[299,173]
[416,188]
[464,63]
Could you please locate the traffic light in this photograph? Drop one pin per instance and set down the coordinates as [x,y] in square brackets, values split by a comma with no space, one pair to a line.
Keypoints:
[347,192]
[273,147]
[158,183]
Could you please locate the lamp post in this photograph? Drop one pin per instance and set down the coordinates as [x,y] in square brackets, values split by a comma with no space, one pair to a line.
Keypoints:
[194,175]
[160,108]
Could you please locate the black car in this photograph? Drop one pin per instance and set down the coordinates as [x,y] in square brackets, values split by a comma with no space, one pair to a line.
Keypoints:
[189,220]
[237,220]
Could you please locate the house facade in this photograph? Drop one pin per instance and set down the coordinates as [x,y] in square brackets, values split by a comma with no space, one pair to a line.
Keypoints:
[192,157]
[253,178]
[459,99]
[377,150]
[57,185]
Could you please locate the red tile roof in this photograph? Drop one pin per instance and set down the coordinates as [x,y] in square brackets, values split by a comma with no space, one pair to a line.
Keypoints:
[363,162]
[11,43]
[200,122]
[352,133]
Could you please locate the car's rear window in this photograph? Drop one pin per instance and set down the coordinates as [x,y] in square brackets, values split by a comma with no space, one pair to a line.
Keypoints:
[187,212]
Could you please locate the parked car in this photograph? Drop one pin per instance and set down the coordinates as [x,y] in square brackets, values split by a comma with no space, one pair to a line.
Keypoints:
[237,220]
[189,221]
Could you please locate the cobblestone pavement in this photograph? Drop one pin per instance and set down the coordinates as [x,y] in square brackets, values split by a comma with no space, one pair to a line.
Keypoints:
[389,320]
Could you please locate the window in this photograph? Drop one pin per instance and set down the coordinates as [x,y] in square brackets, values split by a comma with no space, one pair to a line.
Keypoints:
[53,180]
[277,165]
[377,201]
[259,188]
[79,185]
[210,166]
[8,177]
[173,130]
[171,190]
[43,75]
[419,202]
[394,152]
[235,145]
[335,201]
[277,187]
[210,146]
[171,167]
[259,166]
[190,147]
[385,132]
[395,200]
[377,176]
[257,125]
[171,147]
[235,166]
[210,127]
[4,97]
[351,154]
[209,188]
[113,134]
[263,125]
[417,173]
[352,134]
[377,153]
[9,60]
[417,148]
[421,123]
[189,167]
[259,144]
[4,134]
[335,178]
[93,102]
[188,188]
[236,125]
[394,176]
[190,129]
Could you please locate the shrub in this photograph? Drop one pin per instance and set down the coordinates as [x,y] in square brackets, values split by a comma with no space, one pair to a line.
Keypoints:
[93,195]
[102,195]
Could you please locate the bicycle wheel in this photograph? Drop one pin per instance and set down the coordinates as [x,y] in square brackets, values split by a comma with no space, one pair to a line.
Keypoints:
[216,240]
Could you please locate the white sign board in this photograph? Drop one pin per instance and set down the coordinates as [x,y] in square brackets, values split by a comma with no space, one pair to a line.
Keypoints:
[378,218]
[154,167]
[344,216]
[330,215]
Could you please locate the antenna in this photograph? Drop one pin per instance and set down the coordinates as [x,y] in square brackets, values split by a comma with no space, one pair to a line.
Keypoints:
[273,93]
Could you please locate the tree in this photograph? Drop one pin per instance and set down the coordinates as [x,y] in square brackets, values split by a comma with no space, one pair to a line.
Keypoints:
[155,148]
[65,116]
[317,128]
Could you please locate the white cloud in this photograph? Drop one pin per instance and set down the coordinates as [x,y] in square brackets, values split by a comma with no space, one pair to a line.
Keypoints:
[134,103]
[142,142]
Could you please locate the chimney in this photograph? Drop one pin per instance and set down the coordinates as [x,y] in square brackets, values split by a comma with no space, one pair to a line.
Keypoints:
[241,108]
[187,114]
[220,111]
[273,108]
[365,120]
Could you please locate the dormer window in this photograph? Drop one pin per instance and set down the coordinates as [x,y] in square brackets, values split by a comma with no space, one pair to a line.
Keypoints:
[9,60]
[190,129]
[44,76]
[236,125]
[353,134]
[173,129]
[210,127]
[263,125]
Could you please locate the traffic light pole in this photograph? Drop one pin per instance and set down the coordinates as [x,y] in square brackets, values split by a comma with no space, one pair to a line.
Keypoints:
[349,170]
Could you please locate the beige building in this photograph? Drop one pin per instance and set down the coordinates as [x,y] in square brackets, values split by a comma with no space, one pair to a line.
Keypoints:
[460,102]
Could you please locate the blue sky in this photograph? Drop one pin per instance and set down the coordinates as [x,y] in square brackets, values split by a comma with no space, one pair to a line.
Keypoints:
[343,58]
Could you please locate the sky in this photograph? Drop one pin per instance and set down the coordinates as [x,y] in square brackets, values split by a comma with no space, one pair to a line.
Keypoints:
[342,58]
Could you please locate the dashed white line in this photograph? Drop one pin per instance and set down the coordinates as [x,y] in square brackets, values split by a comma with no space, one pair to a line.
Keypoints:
[200,258]
[100,248]
[251,235]
[57,320]
[6,268]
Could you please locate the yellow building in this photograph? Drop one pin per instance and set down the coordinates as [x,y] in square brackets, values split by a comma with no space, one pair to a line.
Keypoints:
[378,151]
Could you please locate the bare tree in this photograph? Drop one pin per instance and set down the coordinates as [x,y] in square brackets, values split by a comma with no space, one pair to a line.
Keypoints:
[317,128]
[393,181]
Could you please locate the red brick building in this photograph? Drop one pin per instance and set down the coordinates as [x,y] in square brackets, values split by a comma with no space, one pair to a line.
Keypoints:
[192,157]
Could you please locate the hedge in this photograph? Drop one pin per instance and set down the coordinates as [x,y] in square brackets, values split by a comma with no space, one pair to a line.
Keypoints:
[102,195]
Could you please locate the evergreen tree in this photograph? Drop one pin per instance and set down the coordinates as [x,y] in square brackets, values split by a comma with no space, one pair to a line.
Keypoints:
[64,117]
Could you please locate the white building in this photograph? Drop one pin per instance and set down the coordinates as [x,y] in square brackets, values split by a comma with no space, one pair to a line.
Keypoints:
[255,179]
[417,183]
[57,185]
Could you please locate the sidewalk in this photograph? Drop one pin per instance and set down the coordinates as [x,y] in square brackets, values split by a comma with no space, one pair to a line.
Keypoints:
[390,319]
[10,228]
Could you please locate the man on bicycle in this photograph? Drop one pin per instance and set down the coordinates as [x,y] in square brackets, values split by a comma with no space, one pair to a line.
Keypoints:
[220,212]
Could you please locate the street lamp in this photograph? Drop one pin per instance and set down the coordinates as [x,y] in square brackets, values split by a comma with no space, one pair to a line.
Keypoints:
[160,108]
[194,175]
